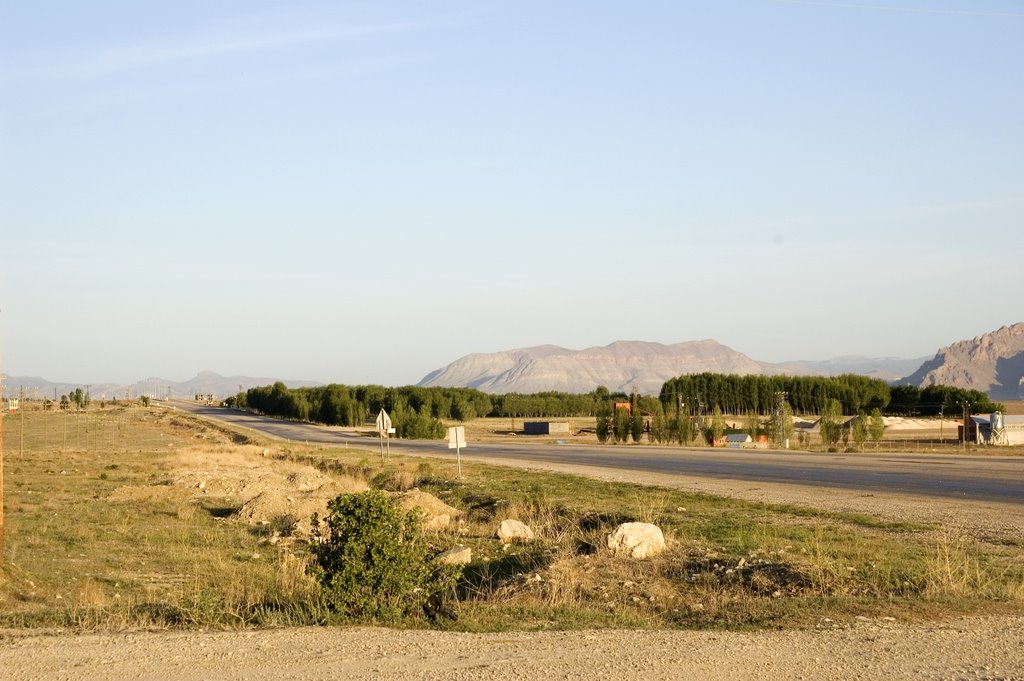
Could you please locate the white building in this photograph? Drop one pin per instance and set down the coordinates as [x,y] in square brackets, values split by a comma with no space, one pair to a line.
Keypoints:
[996,429]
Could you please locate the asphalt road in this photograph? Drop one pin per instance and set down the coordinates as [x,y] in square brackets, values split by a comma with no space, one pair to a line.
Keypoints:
[974,478]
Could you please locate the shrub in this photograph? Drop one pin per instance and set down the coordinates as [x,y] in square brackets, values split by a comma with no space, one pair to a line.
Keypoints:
[372,560]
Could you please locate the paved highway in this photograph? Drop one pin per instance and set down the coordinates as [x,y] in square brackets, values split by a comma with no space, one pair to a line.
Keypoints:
[975,478]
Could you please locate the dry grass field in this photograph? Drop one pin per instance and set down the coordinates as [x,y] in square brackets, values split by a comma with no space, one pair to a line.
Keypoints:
[1014,407]
[125,517]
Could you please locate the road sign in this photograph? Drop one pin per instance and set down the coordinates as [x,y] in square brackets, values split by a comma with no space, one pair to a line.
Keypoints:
[384,430]
[456,441]
[456,437]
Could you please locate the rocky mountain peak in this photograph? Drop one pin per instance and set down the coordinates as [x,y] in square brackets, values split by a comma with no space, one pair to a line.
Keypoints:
[992,363]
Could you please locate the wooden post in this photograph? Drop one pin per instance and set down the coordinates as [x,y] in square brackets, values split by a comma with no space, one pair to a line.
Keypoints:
[1,470]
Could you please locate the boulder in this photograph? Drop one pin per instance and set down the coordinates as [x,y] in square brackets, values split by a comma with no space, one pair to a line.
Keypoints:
[460,555]
[436,514]
[513,530]
[636,540]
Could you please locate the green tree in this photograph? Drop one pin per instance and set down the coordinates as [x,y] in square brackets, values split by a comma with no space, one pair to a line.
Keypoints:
[372,560]
[717,426]
[829,424]
[683,428]
[659,426]
[860,430]
[877,427]
[621,425]
[604,427]
[636,424]
[752,424]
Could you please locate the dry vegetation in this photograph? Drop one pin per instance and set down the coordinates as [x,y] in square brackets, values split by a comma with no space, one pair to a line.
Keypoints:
[146,518]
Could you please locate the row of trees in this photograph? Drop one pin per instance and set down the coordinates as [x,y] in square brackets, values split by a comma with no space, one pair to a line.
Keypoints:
[415,411]
[679,414]
[938,400]
[734,394]
[621,424]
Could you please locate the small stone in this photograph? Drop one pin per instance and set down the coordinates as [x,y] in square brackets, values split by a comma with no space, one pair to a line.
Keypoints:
[514,530]
[459,555]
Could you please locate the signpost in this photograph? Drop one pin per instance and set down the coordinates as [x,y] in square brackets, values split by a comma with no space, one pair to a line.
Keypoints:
[456,441]
[385,430]
[1,470]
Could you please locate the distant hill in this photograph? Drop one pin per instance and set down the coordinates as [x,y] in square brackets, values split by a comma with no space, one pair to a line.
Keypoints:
[205,382]
[884,368]
[618,366]
[992,363]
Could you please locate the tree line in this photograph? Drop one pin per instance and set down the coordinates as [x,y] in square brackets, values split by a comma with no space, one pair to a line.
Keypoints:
[734,394]
[415,411]
[419,412]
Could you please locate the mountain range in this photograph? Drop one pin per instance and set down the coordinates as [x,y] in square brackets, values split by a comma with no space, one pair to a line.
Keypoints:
[624,364]
[205,383]
[992,363]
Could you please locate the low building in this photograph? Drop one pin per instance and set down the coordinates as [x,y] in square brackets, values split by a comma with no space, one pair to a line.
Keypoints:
[546,428]
[994,429]
[737,440]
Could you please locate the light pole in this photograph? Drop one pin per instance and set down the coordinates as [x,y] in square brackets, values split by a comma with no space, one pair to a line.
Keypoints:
[1,467]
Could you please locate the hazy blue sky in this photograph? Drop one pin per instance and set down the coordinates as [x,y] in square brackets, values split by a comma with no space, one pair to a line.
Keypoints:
[364,191]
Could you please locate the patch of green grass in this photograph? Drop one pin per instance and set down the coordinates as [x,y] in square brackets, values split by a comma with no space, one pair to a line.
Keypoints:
[81,553]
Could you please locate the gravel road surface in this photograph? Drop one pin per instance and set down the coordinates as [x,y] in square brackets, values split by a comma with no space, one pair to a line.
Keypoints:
[985,648]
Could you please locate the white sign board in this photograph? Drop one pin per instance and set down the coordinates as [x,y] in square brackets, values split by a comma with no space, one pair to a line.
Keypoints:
[456,441]
[383,422]
[456,437]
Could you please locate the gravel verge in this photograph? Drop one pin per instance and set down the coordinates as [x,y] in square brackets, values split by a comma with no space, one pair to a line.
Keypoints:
[977,648]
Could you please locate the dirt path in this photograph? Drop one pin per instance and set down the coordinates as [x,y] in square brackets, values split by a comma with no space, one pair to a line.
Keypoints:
[989,648]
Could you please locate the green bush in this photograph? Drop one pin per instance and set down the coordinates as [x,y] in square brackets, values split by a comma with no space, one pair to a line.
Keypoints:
[372,560]
[418,426]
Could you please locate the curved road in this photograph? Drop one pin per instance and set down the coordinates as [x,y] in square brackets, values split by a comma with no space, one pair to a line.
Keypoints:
[975,478]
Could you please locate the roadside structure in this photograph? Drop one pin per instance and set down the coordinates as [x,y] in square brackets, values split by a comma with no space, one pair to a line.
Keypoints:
[546,428]
[993,429]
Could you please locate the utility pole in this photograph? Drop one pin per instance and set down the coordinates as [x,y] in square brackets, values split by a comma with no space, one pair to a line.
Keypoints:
[21,415]
[967,422]
[941,409]
[1,468]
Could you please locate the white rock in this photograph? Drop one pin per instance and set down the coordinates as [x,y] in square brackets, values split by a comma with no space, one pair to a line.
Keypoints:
[460,555]
[512,530]
[636,540]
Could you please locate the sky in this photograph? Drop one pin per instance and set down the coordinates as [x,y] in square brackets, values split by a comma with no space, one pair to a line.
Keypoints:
[363,192]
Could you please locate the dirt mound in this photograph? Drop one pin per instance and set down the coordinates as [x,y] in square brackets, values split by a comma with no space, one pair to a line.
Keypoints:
[436,514]
[289,510]
[267,490]
[904,423]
